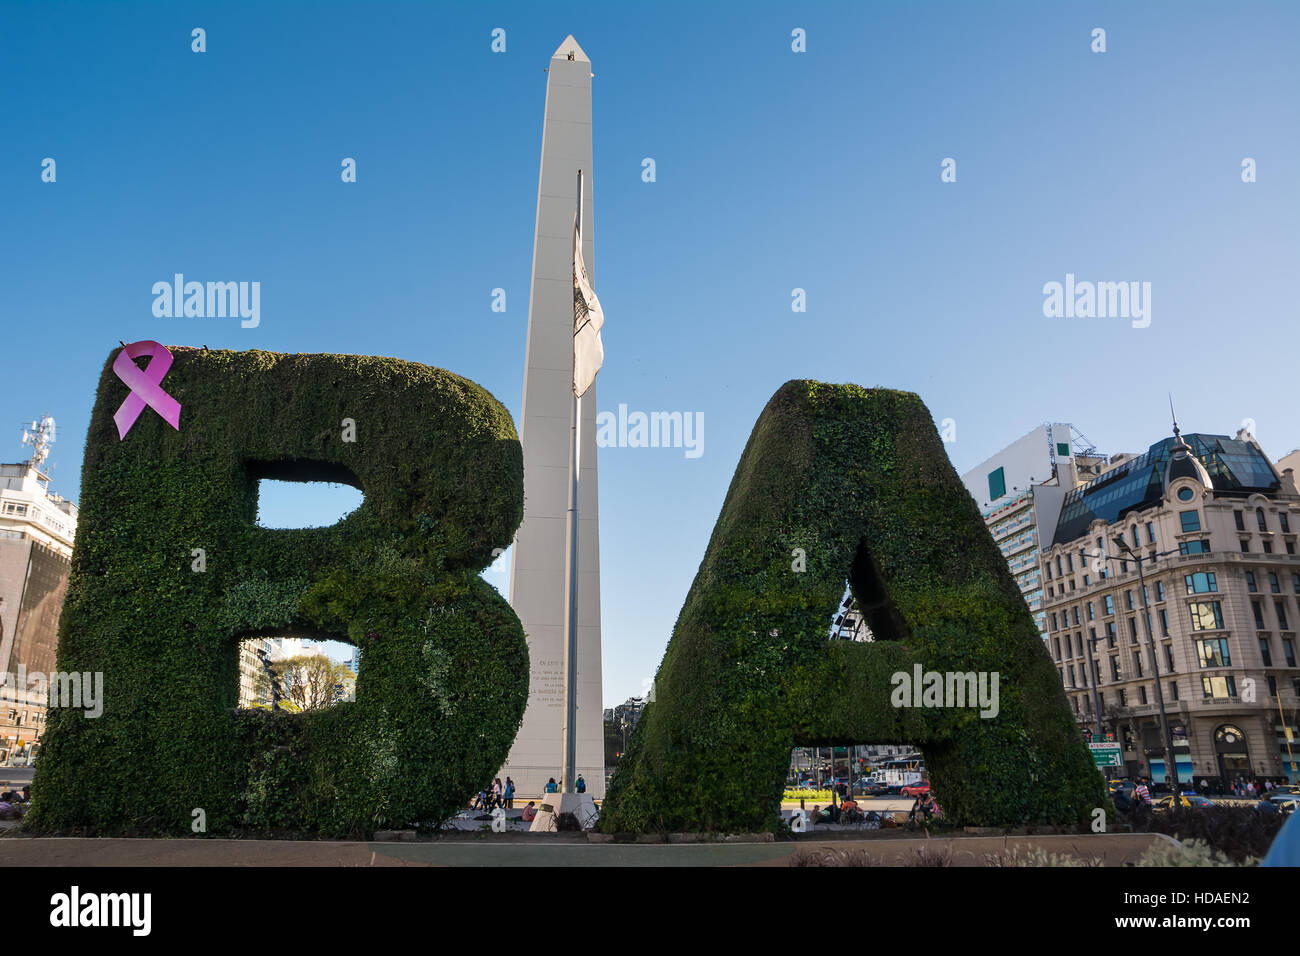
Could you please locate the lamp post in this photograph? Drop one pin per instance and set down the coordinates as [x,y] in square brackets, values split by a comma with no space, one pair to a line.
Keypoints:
[1171,761]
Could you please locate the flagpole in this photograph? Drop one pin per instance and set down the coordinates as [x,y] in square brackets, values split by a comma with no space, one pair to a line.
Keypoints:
[571,577]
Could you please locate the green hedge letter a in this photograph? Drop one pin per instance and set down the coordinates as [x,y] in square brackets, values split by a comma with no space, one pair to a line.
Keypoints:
[859,480]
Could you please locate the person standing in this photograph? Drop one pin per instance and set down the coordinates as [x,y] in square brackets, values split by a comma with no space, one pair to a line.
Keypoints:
[1142,792]
[580,785]
[510,794]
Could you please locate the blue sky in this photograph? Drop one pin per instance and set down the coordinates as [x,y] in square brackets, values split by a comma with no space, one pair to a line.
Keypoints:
[775,170]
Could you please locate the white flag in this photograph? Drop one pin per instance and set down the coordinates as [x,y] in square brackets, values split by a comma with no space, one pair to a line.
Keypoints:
[588,353]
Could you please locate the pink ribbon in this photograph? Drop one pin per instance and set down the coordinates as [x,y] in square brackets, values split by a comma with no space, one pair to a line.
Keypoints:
[143,384]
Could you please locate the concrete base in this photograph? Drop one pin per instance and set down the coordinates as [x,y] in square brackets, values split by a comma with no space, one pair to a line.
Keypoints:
[581,805]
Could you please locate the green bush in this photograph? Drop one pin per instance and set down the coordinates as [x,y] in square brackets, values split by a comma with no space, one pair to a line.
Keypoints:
[859,483]
[444,667]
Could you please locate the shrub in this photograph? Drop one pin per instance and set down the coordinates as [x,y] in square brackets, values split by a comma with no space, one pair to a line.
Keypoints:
[839,481]
[444,667]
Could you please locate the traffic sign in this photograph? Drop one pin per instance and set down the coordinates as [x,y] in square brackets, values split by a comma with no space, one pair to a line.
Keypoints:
[1106,755]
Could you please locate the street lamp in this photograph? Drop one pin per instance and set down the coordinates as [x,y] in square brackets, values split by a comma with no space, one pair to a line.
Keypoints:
[1171,761]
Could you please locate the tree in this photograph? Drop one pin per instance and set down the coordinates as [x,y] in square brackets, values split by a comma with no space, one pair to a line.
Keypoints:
[307,681]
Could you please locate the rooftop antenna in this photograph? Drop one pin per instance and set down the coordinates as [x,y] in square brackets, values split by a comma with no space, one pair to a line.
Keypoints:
[1171,413]
[40,437]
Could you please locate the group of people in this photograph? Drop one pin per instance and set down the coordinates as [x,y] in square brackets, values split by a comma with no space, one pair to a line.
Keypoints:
[498,795]
[13,803]
[1246,789]
[924,809]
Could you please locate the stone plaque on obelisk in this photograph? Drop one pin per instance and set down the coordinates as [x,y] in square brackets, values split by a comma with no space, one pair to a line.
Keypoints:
[538,585]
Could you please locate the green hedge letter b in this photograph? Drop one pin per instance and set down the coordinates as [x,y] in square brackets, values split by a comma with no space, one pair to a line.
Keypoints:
[444,665]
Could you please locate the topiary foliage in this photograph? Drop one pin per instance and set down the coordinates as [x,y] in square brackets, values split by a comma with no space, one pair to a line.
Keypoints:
[859,480]
[444,666]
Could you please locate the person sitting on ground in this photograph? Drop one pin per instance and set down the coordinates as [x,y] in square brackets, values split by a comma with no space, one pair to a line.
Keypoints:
[849,811]
[530,811]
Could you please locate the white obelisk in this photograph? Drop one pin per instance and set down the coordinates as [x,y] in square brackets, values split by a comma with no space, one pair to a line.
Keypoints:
[538,586]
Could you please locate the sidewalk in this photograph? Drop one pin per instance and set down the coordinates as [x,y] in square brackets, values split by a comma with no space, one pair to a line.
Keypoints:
[541,850]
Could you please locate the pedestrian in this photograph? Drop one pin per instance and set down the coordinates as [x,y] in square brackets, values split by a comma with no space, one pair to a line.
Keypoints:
[1204,787]
[510,794]
[497,791]
[581,785]
[551,787]
[1142,792]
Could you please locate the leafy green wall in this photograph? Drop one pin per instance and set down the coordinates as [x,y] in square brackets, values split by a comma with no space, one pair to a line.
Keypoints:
[859,480]
[444,672]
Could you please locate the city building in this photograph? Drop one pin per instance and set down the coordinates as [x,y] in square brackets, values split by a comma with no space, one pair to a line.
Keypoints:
[252,689]
[1214,595]
[1020,491]
[37,528]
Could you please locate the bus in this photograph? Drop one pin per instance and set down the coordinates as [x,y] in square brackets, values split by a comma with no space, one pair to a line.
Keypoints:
[899,772]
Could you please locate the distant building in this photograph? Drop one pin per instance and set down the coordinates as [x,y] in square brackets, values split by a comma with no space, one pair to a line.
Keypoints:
[1216,525]
[1019,492]
[37,528]
[628,713]
[253,688]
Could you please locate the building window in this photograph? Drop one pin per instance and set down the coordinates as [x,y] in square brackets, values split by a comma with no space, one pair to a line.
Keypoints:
[1092,616]
[1191,520]
[1265,651]
[1250,582]
[1185,494]
[1075,612]
[1268,546]
[1272,686]
[1259,519]
[1137,664]
[1164,623]
[1284,521]
[1114,668]
[1295,581]
[1142,695]
[997,484]
[1206,615]
[1110,633]
[1151,533]
[1173,689]
[1108,603]
[1202,582]
[1259,615]
[1194,547]
[1069,563]
[1245,545]
[1069,648]
[1070,668]
[1169,658]
[1132,630]
[1057,642]
[1123,697]
[1054,627]
[1219,688]
[1288,651]
[1280,608]
[1240,518]
[1273,584]
[1214,652]
[1128,600]
[1160,590]
[1290,547]
[1133,531]
[1086,582]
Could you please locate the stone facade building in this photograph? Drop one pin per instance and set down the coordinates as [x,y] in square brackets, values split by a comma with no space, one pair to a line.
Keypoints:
[1218,586]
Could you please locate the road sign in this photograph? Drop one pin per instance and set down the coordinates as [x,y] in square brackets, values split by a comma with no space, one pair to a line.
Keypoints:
[1106,755]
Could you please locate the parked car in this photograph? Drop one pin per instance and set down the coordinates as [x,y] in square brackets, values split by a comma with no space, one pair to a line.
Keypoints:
[1191,803]
[915,789]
